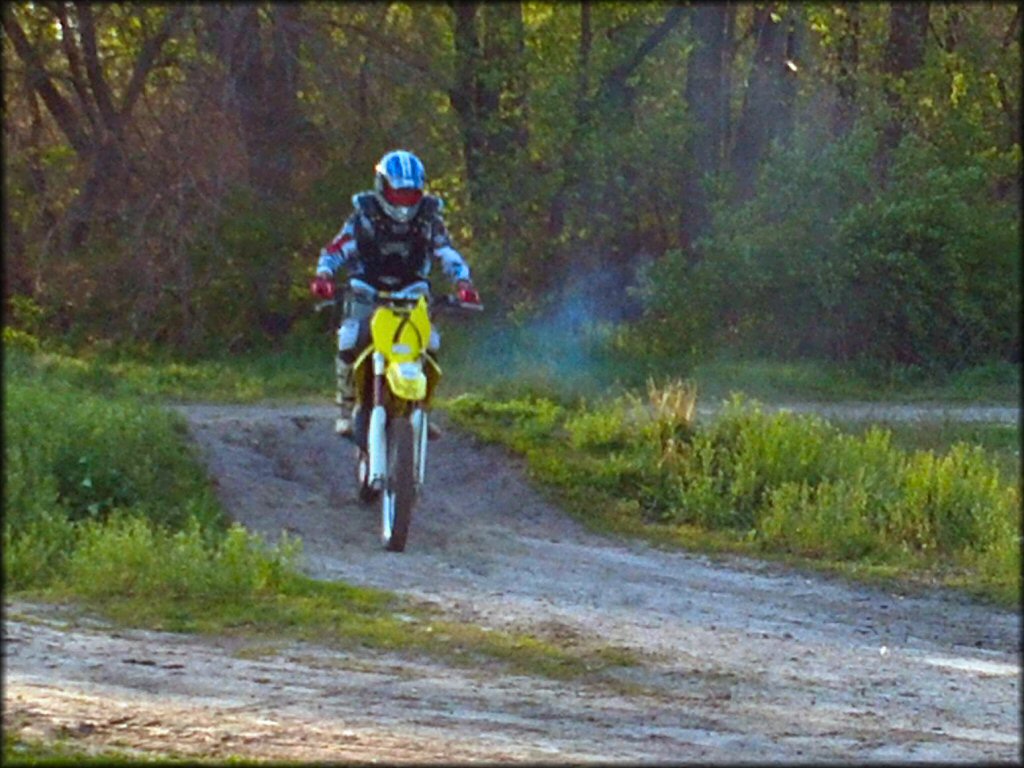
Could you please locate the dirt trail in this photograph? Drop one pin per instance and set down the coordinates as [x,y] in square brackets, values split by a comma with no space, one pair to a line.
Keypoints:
[741,661]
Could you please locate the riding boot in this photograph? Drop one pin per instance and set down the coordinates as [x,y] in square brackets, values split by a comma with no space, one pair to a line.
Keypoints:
[344,397]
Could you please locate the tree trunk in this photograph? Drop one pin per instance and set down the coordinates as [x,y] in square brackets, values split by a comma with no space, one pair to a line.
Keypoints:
[706,102]
[282,119]
[789,74]
[574,161]
[246,74]
[261,86]
[763,105]
[729,47]
[463,96]
[848,59]
[904,53]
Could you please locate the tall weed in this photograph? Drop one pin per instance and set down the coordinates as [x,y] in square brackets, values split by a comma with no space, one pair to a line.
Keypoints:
[129,556]
[778,481]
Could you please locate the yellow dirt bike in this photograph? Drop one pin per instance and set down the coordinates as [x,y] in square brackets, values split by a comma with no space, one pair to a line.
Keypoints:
[395,377]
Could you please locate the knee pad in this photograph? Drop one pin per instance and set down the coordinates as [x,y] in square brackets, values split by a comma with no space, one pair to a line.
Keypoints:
[353,335]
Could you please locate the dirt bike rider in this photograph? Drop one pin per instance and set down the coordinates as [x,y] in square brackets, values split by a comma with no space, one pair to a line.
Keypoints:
[389,241]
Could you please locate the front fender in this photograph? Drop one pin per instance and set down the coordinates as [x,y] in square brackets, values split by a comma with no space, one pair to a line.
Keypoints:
[407,379]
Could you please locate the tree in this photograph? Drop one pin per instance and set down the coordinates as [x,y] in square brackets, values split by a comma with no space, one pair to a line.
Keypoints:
[848,55]
[262,84]
[708,103]
[611,112]
[464,93]
[583,109]
[96,119]
[904,53]
[767,103]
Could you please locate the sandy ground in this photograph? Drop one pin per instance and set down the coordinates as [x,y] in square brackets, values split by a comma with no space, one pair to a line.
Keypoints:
[740,661]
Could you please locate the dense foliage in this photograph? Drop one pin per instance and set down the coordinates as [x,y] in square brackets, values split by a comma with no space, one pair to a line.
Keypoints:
[830,180]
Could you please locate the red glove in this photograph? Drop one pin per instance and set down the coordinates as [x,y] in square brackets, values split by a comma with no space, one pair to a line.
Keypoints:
[322,287]
[466,293]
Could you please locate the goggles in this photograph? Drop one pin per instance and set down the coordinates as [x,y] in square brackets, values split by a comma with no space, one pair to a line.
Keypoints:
[406,198]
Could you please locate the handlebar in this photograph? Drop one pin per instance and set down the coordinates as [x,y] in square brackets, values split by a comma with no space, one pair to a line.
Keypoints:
[448,300]
[445,301]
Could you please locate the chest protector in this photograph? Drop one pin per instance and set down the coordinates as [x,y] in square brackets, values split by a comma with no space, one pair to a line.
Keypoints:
[394,254]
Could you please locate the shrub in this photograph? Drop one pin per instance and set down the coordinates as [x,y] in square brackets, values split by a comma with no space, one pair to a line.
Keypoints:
[830,519]
[37,554]
[87,455]
[73,459]
[933,266]
[951,503]
[923,271]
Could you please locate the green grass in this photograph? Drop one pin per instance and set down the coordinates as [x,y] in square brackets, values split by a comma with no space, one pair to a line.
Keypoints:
[778,381]
[77,428]
[772,485]
[175,583]
[292,374]
[66,750]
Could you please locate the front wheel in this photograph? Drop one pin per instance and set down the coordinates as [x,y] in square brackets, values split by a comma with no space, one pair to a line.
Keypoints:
[400,488]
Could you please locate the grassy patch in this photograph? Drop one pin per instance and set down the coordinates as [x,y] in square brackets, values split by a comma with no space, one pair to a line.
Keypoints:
[780,381]
[339,615]
[68,750]
[72,458]
[777,485]
[294,374]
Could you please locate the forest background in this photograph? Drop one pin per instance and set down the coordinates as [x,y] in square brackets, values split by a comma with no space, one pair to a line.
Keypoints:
[839,182]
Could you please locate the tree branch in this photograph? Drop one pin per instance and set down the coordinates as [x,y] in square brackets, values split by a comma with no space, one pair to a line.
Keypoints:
[75,64]
[619,75]
[395,51]
[146,60]
[62,111]
[100,89]
[1013,31]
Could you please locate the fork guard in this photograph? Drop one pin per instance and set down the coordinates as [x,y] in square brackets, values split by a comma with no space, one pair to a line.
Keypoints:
[376,440]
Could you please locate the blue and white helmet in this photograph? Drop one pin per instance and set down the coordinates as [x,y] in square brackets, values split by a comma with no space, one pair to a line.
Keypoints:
[398,183]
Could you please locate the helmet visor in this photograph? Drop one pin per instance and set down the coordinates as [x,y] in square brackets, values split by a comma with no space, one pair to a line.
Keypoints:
[405,198]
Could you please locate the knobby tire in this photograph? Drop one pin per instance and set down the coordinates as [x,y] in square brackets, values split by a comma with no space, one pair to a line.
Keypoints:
[401,480]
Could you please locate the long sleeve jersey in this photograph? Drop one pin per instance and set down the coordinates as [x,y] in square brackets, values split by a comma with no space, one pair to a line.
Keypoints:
[386,253]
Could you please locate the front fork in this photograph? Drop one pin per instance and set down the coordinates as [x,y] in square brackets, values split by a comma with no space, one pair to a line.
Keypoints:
[419,438]
[376,437]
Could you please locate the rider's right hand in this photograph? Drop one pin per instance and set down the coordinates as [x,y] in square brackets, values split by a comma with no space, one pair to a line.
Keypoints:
[466,293]
[322,287]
